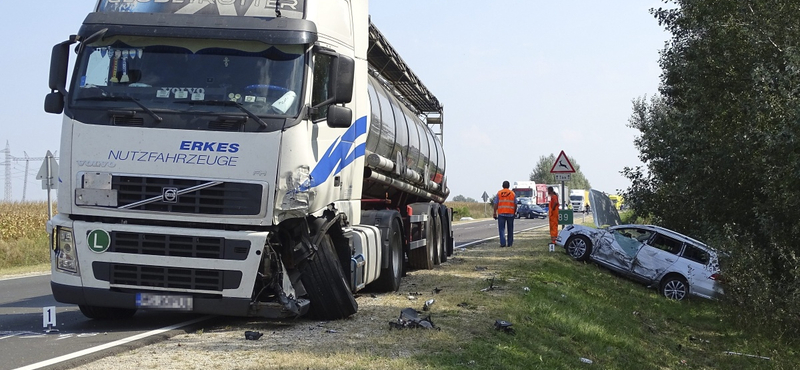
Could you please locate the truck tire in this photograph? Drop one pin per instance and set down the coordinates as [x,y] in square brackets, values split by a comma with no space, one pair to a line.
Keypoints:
[446,227]
[389,281]
[326,286]
[106,313]
[441,254]
[424,257]
[442,238]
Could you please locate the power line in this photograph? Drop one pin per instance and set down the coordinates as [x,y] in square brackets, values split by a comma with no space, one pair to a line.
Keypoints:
[18,172]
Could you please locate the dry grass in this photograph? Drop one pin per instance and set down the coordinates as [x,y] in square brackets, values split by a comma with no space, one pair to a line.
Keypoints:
[364,341]
[470,209]
[23,238]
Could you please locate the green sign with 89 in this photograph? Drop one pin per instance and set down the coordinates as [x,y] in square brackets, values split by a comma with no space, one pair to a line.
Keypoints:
[565,217]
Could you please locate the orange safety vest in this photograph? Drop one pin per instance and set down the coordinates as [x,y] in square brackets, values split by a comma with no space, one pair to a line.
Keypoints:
[505,202]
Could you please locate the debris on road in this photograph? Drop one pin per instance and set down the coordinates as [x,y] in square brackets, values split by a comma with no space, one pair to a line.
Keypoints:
[504,325]
[491,285]
[409,319]
[252,335]
[746,355]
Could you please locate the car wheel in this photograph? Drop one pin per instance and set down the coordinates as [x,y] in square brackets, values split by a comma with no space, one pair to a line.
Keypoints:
[579,247]
[674,287]
[530,216]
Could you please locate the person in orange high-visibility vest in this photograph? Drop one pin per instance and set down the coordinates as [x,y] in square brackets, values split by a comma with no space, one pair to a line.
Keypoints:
[552,214]
[505,209]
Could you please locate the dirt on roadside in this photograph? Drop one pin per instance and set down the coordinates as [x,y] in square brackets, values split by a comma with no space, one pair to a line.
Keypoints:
[467,290]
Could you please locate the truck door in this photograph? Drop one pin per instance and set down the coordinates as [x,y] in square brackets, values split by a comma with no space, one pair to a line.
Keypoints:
[656,256]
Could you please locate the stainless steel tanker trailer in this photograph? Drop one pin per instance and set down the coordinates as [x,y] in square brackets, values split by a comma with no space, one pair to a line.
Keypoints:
[241,158]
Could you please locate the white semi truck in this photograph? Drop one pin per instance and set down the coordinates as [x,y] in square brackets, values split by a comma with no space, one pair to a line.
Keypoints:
[244,158]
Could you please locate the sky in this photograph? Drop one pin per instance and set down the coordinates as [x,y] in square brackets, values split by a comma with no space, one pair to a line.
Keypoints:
[518,79]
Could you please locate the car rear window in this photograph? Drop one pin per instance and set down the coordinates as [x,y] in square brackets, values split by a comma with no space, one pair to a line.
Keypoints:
[695,254]
[667,244]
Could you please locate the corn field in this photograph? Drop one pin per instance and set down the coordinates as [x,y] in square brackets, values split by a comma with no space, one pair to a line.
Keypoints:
[23,238]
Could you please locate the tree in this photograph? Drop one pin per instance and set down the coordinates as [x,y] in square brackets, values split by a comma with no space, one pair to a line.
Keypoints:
[721,146]
[461,198]
[541,173]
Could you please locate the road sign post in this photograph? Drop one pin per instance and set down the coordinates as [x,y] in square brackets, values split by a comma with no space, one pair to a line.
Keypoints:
[47,173]
[563,169]
[485,198]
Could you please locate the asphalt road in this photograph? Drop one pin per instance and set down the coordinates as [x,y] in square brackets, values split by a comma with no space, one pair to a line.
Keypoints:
[473,232]
[25,345]
[23,341]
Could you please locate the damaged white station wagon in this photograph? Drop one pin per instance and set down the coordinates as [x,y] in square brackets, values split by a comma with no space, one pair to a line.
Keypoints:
[677,264]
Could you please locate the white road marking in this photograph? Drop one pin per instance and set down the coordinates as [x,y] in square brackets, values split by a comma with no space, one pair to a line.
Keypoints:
[110,345]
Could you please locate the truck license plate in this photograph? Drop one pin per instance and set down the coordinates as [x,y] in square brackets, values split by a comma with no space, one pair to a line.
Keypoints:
[164,302]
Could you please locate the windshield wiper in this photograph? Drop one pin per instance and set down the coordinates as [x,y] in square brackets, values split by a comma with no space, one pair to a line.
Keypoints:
[125,98]
[227,103]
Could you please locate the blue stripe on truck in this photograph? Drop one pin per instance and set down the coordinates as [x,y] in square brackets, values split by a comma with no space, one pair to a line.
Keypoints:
[339,155]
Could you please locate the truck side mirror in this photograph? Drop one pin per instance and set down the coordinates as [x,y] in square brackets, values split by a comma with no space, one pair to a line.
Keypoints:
[54,103]
[59,60]
[58,66]
[343,70]
[339,116]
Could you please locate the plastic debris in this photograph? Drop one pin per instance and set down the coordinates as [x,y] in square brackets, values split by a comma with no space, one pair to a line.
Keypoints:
[252,335]
[586,360]
[491,285]
[526,289]
[409,318]
[428,304]
[504,326]
[746,355]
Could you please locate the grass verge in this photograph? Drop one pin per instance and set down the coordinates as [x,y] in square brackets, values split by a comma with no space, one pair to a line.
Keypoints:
[569,311]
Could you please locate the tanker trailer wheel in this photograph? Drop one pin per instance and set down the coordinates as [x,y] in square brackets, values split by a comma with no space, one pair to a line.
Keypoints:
[447,226]
[442,235]
[424,257]
[326,286]
[389,281]
[441,253]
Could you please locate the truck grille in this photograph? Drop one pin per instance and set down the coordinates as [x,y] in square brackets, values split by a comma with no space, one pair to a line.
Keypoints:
[179,246]
[166,277]
[227,198]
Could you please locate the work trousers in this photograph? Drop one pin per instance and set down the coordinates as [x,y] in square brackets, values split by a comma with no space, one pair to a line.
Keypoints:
[506,222]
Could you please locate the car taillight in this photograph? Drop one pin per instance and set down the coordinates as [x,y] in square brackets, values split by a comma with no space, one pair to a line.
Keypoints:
[716,277]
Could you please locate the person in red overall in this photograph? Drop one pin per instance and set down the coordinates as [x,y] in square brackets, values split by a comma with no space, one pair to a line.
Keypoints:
[505,208]
[552,214]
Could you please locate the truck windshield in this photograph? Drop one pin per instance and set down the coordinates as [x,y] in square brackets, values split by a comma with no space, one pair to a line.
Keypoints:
[187,75]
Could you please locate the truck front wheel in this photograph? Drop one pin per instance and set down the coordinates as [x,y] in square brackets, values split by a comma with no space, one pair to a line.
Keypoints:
[326,286]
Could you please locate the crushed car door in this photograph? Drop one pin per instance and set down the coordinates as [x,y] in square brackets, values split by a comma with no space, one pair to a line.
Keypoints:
[618,246]
[656,256]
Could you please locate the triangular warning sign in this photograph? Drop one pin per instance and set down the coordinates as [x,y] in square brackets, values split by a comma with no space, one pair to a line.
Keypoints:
[562,164]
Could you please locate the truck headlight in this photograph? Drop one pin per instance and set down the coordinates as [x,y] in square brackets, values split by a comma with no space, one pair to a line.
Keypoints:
[66,255]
